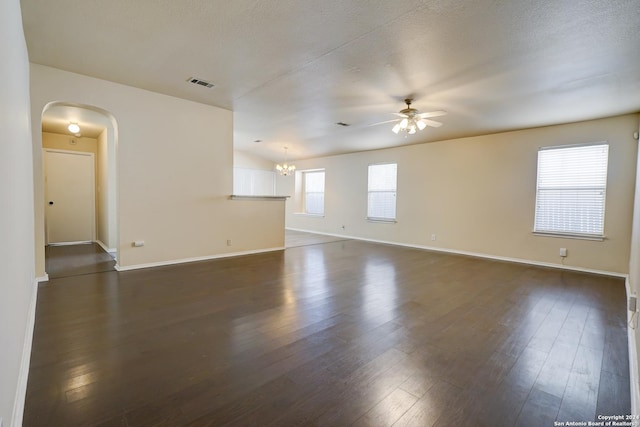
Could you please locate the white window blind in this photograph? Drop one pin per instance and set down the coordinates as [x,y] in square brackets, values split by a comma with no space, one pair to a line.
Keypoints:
[314,192]
[254,182]
[571,189]
[382,192]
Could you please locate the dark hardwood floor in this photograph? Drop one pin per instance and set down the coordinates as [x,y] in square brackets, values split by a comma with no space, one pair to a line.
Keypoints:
[333,334]
[294,238]
[74,260]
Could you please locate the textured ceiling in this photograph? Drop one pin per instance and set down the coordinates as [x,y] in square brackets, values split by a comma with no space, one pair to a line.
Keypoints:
[291,69]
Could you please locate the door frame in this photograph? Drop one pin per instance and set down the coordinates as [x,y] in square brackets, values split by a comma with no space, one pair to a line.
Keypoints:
[93,194]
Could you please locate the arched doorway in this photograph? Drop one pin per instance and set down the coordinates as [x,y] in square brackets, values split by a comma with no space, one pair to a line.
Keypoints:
[80,189]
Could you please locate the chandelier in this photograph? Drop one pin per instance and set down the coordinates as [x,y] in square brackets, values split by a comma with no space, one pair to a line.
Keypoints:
[285,169]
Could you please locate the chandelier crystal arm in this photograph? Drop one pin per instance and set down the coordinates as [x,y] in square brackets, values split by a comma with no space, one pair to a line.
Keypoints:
[285,168]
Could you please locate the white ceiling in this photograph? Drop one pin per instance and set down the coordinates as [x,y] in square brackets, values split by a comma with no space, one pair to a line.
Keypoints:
[291,69]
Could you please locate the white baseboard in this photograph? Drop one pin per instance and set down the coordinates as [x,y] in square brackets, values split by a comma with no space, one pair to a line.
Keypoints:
[111,251]
[79,242]
[23,375]
[634,379]
[472,254]
[195,259]
[44,278]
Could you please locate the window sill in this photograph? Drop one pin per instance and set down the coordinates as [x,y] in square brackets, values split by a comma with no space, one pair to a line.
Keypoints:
[309,215]
[382,220]
[570,236]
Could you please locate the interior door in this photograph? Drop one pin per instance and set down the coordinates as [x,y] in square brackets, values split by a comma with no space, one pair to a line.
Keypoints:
[69,196]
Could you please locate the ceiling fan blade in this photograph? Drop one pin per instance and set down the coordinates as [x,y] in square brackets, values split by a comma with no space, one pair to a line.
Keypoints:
[400,114]
[432,114]
[432,123]
[381,123]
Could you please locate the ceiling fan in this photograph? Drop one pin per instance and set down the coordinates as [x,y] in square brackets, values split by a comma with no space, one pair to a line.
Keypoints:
[411,120]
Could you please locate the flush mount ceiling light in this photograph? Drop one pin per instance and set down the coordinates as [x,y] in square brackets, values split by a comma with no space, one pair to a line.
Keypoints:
[285,169]
[412,120]
[73,127]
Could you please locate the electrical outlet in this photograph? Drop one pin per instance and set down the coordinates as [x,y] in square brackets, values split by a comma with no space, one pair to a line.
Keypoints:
[433,237]
[563,252]
[633,303]
[342,227]
[228,242]
[138,243]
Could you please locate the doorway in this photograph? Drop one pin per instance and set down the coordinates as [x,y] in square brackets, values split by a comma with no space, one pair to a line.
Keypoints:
[79,190]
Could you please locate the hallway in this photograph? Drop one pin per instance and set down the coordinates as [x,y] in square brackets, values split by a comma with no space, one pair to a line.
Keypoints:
[77,260]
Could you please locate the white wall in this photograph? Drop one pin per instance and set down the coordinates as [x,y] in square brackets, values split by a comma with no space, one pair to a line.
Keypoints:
[634,265]
[112,190]
[60,141]
[175,164]
[242,159]
[477,195]
[634,287]
[17,290]
[103,224]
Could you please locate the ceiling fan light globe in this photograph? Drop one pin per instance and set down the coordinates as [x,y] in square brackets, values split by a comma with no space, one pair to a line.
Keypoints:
[421,124]
[404,123]
[396,128]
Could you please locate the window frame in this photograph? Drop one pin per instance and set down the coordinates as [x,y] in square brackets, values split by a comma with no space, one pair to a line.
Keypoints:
[573,234]
[304,175]
[387,220]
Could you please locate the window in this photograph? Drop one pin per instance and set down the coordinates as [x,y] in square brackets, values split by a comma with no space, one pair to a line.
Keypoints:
[313,182]
[570,195]
[381,205]
[254,182]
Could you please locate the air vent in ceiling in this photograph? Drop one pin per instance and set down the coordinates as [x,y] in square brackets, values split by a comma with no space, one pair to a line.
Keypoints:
[200,82]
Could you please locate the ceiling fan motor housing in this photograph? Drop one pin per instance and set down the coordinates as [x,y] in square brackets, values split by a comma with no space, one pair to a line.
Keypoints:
[409,111]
